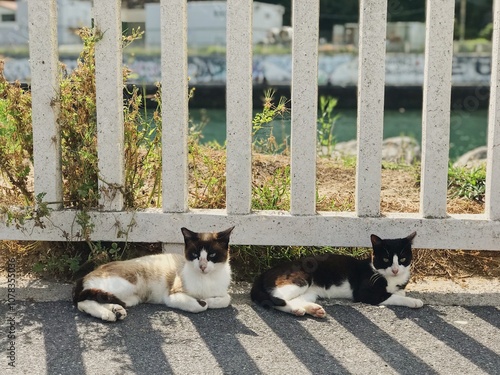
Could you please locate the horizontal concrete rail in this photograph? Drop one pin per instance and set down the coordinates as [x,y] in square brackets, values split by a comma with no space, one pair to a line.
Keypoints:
[270,228]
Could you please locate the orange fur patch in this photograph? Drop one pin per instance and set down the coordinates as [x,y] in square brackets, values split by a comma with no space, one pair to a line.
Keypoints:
[298,277]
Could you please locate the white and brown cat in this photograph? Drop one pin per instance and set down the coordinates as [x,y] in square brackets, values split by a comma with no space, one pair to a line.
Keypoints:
[194,282]
[295,286]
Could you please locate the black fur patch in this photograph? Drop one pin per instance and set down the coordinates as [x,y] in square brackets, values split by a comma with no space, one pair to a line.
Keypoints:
[260,294]
[98,296]
[77,290]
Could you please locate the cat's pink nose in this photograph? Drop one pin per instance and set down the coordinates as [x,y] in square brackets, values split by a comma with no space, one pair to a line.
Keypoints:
[203,268]
[395,271]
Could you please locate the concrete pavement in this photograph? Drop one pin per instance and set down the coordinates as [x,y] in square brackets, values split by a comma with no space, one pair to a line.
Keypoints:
[456,332]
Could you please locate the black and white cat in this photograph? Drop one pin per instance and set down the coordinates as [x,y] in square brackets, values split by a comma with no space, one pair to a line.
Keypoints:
[193,282]
[294,286]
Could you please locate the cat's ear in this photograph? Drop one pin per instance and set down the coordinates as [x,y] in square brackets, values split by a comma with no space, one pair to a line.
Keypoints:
[188,234]
[224,235]
[411,236]
[376,240]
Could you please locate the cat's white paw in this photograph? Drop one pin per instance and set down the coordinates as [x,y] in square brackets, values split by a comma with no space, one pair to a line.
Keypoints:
[198,306]
[112,313]
[315,310]
[218,302]
[185,302]
[415,303]
[299,311]
[398,300]
[119,312]
[108,316]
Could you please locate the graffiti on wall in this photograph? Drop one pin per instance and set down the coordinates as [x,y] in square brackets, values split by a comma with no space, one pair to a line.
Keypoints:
[337,70]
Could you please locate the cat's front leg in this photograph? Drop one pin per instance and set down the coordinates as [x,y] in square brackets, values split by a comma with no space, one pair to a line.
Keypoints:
[105,311]
[302,305]
[218,302]
[185,302]
[398,300]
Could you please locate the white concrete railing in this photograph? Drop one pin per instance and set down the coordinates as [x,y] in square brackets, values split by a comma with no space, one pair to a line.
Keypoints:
[302,225]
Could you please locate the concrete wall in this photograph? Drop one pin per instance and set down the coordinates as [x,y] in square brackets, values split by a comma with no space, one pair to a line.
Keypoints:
[338,70]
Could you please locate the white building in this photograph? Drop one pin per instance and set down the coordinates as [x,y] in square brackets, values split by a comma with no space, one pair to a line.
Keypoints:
[7,12]
[401,36]
[207,22]
[13,22]
[71,15]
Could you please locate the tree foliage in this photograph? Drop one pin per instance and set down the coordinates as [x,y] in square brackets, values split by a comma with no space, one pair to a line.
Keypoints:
[478,13]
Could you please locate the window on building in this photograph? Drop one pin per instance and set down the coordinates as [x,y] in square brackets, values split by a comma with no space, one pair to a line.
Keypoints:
[8,17]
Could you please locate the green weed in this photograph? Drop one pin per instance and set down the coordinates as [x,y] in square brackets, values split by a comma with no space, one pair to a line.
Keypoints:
[263,125]
[326,125]
[274,193]
[78,126]
[57,264]
[208,176]
[467,183]
[16,147]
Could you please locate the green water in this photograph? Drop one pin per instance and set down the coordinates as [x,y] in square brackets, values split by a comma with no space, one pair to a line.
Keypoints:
[468,130]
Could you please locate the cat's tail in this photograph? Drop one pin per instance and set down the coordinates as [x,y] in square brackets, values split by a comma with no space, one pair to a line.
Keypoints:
[79,295]
[261,295]
[77,290]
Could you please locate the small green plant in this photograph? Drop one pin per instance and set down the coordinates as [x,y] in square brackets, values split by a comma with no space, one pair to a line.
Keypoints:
[19,215]
[196,128]
[349,161]
[98,252]
[207,167]
[208,176]
[16,135]
[142,153]
[326,125]
[263,124]
[57,264]
[76,100]
[78,123]
[487,31]
[467,183]
[274,194]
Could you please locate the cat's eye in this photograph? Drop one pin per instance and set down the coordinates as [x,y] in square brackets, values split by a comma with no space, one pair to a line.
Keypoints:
[194,255]
[212,255]
[403,259]
[386,260]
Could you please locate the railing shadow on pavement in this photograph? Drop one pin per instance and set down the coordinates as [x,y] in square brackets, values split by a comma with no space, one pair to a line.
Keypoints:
[302,344]
[489,314]
[143,342]
[433,323]
[394,354]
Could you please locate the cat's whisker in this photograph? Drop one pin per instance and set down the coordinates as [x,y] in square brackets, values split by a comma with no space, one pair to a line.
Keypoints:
[375,277]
